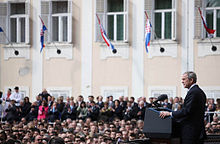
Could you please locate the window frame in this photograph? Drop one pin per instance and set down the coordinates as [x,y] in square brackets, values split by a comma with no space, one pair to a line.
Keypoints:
[115,14]
[173,21]
[60,23]
[103,15]
[60,26]
[18,24]
[214,9]
[50,15]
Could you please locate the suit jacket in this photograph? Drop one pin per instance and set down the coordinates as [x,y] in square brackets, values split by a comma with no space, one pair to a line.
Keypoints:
[191,115]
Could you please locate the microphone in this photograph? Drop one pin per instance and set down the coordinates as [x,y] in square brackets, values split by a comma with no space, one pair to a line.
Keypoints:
[161,98]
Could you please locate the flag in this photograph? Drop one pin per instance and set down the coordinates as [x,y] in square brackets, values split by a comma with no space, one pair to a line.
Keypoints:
[1,30]
[105,38]
[147,33]
[42,34]
[209,31]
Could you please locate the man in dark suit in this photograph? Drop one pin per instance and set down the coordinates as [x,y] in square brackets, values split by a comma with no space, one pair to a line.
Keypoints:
[191,116]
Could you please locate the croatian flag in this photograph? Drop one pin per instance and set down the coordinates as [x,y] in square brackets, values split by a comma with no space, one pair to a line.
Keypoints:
[1,30]
[209,31]
[105,38]
[147,33]
[42,34]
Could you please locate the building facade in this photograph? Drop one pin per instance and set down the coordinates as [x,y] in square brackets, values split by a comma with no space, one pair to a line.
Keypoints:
[86,66]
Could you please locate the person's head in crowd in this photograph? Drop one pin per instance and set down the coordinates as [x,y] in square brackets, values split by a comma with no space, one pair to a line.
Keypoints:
[101,127]
[124,135]
[171,100]
[9,91]
[176,100]
[100,98]
[126,99]
[16,89]
[85,130]
[44,103]
[117,103]
[80,98]
[105,105]
[67,140]
[91,98]
[112,127]
[210,107]
[78,129]
[56,140]
[139,99]
[38,139]
[93,129]
[26,100]
[143,98]
[141,104]
[118,134]
[129,104]
[140,124]
[113,135]
[77,139]
[121,98]
[107,133]
[116,122]
[132,99]
[100,138]
[67,99]
[132,137]
[92,103]
[83,104]
[110,98]
[151,100]
[127,127]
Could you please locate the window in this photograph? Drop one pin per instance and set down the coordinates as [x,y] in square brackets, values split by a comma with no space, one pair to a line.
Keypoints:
[58,92]
[18,23]
[164,19]
[114,17]
[212,8]
[59,21]
[57,16]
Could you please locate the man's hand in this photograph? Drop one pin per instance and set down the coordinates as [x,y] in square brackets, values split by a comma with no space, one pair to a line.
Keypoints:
[163,114]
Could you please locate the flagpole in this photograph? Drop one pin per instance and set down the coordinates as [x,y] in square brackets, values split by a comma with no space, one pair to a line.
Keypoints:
[58,50]
[16,52]
[157,40]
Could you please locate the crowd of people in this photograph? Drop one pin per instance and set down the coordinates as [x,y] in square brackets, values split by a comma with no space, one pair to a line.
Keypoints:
[75,121]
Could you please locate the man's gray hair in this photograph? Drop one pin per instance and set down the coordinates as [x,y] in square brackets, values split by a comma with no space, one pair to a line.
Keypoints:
[191,75]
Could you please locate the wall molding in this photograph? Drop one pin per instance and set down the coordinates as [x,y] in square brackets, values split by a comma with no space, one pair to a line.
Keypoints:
[23,49]
[24,90]
[170,48]
[51,51]
[170,90]
[205,47]
[114,89]
[122,51]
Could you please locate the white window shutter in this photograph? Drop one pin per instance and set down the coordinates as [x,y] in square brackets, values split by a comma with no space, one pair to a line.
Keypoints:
[174,19]
[27,25]
[126,22]
[45,11]
[69,21]
[198,21]
[100,11]
[3,22]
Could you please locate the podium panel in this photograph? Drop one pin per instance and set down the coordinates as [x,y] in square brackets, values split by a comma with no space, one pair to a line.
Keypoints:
[156,127]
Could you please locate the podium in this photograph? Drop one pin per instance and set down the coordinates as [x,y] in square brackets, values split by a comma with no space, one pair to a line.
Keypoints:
[157,128]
